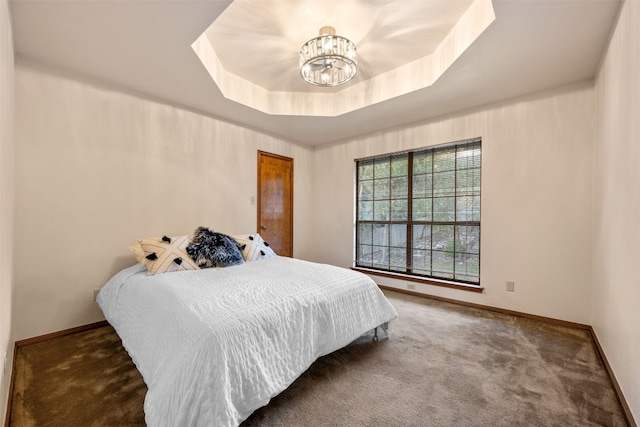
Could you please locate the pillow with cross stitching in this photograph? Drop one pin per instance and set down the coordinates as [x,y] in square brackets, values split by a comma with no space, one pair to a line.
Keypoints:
[254,247]
[163,254]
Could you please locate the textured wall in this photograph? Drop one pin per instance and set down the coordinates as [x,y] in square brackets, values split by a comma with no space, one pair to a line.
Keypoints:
[616,295]
[536,198]
[97,168]
[6,197]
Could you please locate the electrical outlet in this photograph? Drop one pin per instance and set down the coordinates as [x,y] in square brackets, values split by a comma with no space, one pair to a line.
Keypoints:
[511,286]
[411,286]
[95,294]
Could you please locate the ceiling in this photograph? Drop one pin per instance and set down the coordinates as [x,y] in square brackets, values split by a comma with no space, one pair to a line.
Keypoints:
[401,51]
[388,34]
[146,47]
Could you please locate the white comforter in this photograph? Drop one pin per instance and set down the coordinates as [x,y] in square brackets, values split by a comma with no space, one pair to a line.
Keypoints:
[214,345]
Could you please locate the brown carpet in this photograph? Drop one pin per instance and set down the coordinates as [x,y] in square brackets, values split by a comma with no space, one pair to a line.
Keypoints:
[445,365]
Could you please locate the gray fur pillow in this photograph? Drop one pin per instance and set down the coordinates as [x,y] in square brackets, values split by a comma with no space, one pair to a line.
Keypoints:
[210,249]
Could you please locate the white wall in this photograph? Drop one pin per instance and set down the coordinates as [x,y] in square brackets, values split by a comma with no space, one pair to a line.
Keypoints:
[97,168]
[6,200]
[536,199]
[616,294]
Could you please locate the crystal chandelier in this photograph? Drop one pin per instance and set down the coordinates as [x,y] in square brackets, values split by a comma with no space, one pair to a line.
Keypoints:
[328,60]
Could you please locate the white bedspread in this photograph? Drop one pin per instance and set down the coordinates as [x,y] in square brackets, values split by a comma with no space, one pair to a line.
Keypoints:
[214,345]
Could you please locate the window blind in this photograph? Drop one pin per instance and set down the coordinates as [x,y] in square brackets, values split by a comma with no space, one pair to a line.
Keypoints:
[418,212]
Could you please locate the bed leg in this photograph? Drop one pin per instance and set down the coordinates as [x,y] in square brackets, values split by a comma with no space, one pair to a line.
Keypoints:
[375,334]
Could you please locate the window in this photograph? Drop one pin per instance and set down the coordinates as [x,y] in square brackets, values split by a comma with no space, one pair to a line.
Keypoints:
[418,212]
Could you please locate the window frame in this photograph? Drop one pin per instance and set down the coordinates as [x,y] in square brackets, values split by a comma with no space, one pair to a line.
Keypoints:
[409,272]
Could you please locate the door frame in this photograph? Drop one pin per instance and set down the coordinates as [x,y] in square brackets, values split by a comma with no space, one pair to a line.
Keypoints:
[259,196]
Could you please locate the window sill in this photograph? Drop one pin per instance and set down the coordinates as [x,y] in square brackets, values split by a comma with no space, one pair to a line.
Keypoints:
[434,282]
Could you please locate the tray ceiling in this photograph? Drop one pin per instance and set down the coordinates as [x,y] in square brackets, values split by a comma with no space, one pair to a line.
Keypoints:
[145,47]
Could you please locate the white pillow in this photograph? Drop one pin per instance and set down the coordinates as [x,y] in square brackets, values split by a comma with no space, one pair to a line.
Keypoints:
[163,254]
[254,247]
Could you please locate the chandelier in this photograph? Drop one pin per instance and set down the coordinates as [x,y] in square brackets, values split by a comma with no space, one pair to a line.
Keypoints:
[328,60]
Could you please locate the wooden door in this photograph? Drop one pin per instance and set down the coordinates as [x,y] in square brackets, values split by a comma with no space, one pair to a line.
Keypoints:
[275,201]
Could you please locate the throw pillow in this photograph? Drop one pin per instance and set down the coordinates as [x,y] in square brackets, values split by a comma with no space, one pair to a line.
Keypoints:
[254,247]
[163,254]
[211,249]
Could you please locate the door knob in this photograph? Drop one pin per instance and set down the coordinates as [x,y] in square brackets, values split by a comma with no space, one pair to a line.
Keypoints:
[264,227]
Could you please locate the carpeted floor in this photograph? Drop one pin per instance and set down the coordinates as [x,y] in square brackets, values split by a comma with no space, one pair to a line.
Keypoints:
[445,365]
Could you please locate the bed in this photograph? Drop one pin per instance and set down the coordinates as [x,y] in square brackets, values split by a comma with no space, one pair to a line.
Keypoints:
[214,345]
